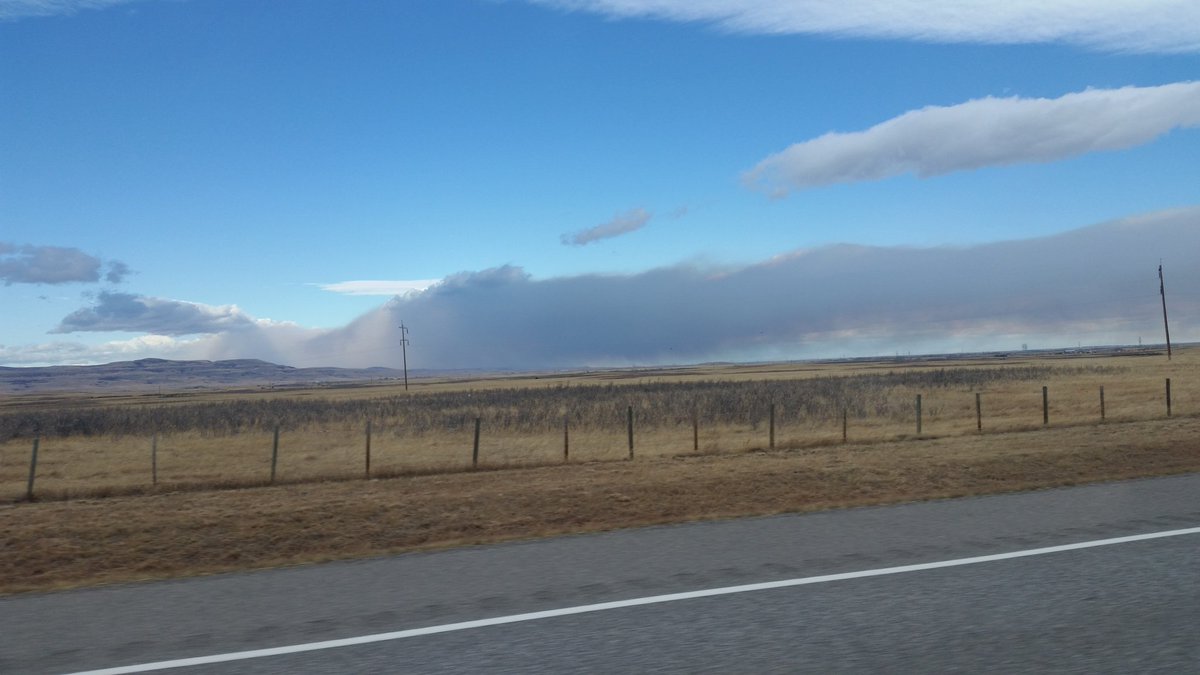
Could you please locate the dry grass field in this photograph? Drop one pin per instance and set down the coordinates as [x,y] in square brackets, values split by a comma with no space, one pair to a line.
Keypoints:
[122,445]
[97,517]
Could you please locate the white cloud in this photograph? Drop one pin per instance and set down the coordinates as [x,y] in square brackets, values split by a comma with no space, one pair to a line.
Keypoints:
[1112,25]
[379,286]
[17,9]
[622,223]
[158,316]
[984,132]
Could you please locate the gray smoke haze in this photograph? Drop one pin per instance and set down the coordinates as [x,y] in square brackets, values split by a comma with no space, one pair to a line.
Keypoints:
[1096,285]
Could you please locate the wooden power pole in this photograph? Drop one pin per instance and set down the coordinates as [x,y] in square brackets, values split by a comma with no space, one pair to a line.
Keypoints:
[1162,290]
[404,352]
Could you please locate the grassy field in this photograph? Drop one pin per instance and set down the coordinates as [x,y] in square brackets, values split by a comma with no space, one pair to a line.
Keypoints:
[101,446]
[98,519]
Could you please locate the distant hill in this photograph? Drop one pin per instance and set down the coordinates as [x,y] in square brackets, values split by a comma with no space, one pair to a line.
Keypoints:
[152,374]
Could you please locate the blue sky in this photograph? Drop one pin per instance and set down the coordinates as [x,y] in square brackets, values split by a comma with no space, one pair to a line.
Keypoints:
[591,182]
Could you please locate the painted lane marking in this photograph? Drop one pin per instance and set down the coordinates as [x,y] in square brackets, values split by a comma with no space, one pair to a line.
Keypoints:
[619,604]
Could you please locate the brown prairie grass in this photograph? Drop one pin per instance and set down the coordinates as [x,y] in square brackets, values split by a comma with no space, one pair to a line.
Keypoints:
[88,465]
[61,544]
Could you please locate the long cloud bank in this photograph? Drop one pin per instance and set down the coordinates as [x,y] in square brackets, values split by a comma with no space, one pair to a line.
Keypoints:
[983,132]
[1095,285]
[1113,25]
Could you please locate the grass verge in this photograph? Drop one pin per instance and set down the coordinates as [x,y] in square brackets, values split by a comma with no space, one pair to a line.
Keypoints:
[85,542]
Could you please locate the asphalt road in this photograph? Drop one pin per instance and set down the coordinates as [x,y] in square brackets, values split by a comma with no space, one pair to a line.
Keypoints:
[1116,608]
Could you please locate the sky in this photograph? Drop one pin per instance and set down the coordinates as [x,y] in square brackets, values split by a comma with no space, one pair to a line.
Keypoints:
[531,184]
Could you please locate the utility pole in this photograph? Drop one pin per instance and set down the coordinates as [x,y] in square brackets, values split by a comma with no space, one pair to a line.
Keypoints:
[404,352]
[1162,290]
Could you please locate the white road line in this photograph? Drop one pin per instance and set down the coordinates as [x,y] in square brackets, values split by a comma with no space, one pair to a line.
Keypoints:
[635,602]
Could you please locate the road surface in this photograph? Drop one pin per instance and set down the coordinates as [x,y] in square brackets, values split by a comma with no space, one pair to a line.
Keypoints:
[915,587]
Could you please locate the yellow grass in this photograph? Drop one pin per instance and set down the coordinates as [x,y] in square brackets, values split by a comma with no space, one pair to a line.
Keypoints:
[77,466]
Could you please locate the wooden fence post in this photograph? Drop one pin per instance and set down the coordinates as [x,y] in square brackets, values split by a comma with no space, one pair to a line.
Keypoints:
[978,412]
[1045,405]
[1101,403]
[772,426]
[695,431]
[630,416]
[154,460]
[566,440]
[475,448]
[1168,397]
[918,414]
[367,468]
[844,425]
[274,452]
[32,468]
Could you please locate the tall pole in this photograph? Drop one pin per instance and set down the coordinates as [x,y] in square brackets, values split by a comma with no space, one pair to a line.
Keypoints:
[1162,290]
[404,352]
